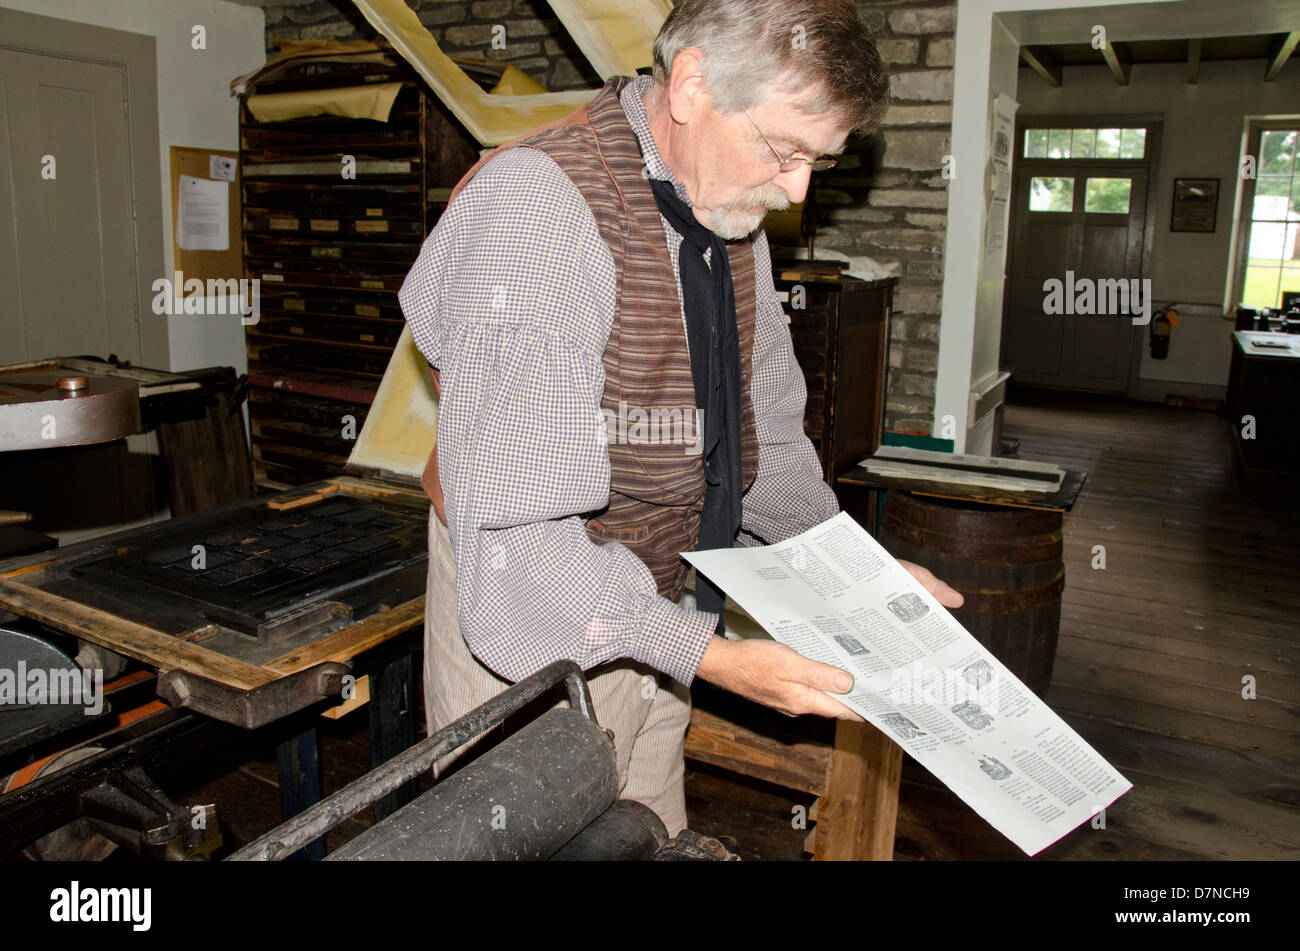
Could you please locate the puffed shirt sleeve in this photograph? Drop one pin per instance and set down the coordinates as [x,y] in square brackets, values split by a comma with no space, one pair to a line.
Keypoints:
[512,299]
[788,495]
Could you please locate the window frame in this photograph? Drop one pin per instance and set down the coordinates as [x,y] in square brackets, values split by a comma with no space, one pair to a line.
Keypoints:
[1243,220]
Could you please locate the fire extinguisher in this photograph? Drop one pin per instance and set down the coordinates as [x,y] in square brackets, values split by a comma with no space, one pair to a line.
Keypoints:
[1162,326]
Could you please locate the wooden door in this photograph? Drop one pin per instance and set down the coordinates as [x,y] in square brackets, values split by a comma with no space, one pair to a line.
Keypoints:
[1077,222]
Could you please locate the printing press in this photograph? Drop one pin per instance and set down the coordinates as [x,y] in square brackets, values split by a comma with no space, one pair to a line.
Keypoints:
[262,614]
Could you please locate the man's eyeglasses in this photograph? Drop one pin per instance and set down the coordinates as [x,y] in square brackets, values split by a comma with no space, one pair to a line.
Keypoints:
[796,160]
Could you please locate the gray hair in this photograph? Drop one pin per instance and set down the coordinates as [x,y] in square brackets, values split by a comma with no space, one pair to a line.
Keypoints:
[819,45]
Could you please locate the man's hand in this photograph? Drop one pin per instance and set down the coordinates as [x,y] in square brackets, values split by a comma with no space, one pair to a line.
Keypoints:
[947,596]
[776,676]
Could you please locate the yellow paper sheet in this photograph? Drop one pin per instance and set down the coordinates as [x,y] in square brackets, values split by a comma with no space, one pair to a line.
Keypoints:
[491,119]
[402,424]
[351,102]
[616,36]
[516,82]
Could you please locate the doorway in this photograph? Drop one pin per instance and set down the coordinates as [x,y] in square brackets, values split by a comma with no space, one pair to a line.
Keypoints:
[1079,213]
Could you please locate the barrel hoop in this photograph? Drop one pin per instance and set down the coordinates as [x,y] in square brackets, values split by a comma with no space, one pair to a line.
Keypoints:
[1025,550]
[1009,602]
[989,522]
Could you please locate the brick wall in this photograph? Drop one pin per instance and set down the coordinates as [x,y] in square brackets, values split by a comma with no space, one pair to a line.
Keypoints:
[886,200]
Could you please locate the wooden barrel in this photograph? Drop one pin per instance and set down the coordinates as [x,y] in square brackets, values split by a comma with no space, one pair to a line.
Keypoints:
[1007,562]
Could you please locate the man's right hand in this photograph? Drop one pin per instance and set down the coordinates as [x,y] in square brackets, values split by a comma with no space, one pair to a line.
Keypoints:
[776,676]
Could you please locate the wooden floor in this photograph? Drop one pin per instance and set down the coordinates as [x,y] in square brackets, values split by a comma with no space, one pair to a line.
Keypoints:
[1201,588]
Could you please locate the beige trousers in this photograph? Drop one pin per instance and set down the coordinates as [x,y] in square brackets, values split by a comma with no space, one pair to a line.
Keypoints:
[648,712]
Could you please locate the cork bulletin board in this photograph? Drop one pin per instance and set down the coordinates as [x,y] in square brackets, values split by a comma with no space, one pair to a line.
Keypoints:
[206,165]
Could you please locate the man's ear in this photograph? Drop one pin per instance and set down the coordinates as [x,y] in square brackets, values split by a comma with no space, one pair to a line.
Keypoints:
[687,93]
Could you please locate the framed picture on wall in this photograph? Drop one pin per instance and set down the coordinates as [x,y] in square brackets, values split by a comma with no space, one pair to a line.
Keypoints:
[1196,204]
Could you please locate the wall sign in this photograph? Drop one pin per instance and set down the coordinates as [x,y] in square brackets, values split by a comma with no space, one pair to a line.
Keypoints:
[1196,204]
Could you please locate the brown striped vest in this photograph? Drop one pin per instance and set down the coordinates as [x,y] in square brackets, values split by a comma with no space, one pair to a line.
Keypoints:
[656,480]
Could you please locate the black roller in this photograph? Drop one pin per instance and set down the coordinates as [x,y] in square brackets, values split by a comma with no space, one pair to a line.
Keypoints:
[627,832]
[523,799]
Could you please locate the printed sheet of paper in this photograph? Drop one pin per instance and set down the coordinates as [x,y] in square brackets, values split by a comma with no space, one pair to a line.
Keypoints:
[835,595]
[203,215]
[1002,138]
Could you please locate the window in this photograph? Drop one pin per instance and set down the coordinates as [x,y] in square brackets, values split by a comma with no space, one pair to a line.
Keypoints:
[1085,143]
[1268,249]
[1108,196]
[1051,194]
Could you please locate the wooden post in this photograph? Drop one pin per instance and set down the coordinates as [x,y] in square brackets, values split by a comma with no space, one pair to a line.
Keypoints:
[856,816]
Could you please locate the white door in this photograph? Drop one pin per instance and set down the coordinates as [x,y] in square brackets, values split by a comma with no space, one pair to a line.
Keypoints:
[71,170]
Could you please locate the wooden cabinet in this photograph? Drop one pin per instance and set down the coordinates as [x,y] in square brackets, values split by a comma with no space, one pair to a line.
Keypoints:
[841,339]
[334,213]
[1264,385]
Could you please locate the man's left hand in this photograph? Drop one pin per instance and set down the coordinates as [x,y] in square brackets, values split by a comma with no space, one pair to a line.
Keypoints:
[946,595]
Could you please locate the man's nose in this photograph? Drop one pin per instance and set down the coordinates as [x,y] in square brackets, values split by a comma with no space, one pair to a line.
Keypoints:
[795,183]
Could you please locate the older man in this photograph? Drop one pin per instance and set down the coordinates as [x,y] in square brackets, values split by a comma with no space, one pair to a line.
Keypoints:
[606,273]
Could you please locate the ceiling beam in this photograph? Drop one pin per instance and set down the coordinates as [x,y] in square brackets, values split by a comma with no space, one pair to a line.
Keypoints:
[1194,48]
[1117,59]
[1042,61]
[1282,50]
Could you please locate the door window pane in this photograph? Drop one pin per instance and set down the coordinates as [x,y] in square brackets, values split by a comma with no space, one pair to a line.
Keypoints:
[1051,194]
[1108,195]
[1133,143]
[1084,143]
[1058,143]
[1108,143]
[1036,143]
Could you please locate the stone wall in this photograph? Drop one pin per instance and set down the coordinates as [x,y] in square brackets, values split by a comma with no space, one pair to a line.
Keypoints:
[887,199]
[891,203]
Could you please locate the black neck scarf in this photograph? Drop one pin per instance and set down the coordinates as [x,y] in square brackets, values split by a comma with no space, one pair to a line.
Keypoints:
[714,339]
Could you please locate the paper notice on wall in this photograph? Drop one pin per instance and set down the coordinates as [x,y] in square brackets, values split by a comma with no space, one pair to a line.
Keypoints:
[203,214]
[1001,140]
[835,595]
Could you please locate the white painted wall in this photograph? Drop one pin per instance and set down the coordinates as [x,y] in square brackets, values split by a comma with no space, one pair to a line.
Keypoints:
[195,109]
[1201,138]
[987,59]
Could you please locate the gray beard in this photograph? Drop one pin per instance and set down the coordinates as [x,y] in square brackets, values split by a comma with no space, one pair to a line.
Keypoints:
[733,225]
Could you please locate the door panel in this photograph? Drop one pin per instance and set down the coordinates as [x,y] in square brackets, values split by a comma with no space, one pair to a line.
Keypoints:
[68,263]
[74,260]
[1090,352]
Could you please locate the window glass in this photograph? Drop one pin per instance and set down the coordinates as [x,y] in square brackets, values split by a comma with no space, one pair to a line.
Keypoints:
[1051,194]
[1277,152]
[1272,266]
[1272,198]
[1058,143]
[1108,143]
[1084,143]
[1133,143]
[1108,195]
[1036,143]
